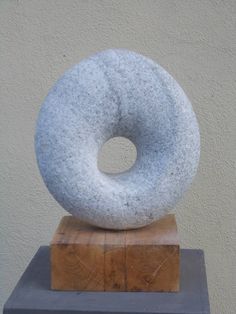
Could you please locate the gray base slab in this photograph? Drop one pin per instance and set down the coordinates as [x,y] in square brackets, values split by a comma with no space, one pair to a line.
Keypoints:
[32,295]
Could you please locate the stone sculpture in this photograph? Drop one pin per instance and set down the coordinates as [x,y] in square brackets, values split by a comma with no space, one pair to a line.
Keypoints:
[117,93]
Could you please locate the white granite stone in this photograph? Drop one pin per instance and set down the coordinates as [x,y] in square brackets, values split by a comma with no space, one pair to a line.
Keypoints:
[117,93]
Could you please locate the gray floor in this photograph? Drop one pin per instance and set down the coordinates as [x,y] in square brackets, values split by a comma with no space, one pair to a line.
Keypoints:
[32,294]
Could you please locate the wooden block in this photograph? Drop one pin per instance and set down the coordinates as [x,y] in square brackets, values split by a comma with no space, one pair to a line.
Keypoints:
[77,256]
[87,258]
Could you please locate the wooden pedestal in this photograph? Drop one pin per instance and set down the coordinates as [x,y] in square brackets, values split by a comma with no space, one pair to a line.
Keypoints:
[87,258]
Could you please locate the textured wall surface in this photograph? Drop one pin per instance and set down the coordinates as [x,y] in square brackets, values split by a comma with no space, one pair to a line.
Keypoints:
[195,41]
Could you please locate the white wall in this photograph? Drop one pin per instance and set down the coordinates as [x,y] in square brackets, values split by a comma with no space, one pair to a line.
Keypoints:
[194,40]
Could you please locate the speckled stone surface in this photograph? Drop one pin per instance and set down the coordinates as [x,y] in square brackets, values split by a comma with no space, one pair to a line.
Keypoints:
[117,93]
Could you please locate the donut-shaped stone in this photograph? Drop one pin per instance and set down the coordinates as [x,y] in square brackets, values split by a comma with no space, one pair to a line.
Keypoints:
[117,93]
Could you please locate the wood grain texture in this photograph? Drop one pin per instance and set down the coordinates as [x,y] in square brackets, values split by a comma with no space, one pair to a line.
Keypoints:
[87,258]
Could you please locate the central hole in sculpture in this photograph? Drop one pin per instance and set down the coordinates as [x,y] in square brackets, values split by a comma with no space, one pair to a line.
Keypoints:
[117,155]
